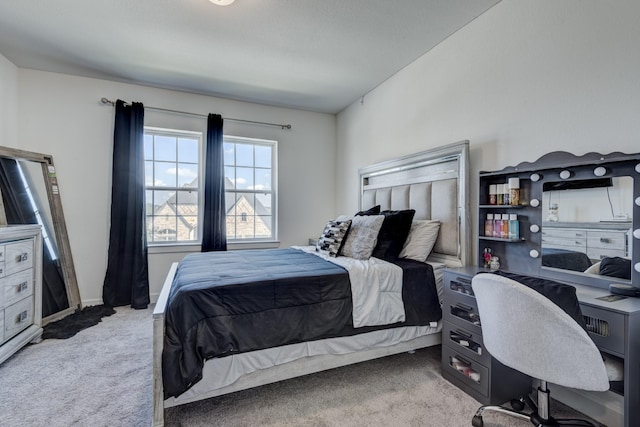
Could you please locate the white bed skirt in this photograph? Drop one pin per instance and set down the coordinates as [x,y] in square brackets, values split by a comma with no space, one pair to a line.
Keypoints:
[220,375]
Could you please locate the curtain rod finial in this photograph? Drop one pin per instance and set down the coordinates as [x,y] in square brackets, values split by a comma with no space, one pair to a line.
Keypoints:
[107,101]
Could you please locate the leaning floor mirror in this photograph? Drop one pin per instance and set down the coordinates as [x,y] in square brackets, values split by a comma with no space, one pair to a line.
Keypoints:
[31,195]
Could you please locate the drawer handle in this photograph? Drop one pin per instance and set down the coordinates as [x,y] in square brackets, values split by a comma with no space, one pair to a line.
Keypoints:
[464,307]
[464,334]
[21,287]
[463,280]
[605,240]
[23,257]
[22,317]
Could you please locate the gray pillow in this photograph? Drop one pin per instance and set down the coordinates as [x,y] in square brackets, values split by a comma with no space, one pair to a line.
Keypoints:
[362,237]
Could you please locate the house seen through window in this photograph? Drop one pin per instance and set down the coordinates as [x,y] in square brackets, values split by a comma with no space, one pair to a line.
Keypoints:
[173,182]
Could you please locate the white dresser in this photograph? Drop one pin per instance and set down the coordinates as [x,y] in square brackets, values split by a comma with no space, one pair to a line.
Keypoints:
[597,240]
[20,287]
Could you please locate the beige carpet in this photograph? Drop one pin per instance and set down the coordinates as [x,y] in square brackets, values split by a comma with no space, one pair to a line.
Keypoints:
[102,377]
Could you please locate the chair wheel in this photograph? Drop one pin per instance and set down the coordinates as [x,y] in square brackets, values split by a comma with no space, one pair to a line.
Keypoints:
[517,404]
[477,421]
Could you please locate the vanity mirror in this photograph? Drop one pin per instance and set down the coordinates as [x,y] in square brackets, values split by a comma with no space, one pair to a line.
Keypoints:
[31,195]
[579,218]
[586,222]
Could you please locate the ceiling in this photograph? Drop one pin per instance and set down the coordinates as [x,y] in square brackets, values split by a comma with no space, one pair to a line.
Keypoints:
[316,55]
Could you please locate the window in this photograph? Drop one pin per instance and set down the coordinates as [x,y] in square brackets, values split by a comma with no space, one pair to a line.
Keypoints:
[250,188]
[172,162]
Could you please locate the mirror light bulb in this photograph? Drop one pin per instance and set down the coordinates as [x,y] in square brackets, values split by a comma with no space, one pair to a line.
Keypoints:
[535,177]
[534,254]
[535,203]
[600,171]
[534,228]
[565,174]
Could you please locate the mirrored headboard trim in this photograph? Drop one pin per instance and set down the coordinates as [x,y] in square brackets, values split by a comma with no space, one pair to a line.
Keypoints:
[433,182]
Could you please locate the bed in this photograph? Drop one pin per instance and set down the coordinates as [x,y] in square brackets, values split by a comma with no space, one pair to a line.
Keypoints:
[432,184]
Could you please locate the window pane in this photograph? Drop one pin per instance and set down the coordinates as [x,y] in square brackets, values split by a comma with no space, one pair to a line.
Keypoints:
[165,174]
[188,150]
[149,228]
[164,228]
[148,195]
[148,173]
[229,153]
[263,179]
[263,226]
[230,203]
[231,226]
[263,156]
[244,178]
[148,147]
[245,226]
[187,175]
[165,147]
[230,178]
[263,204]
[187,228]
[244,154]
[163,201]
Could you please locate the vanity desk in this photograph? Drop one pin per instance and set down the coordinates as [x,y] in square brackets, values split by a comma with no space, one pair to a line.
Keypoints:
[578,216]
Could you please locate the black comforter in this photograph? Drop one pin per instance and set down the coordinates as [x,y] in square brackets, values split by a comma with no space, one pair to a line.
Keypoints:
[223,303]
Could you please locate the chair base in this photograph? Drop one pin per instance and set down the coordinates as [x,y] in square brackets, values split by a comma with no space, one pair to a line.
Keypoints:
[539,417]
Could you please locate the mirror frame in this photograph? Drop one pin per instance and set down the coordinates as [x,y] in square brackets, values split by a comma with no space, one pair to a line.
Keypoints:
[59,226]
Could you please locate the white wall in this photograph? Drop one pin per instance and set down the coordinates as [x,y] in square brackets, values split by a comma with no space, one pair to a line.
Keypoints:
[8,103]
[62,115]
[526,78]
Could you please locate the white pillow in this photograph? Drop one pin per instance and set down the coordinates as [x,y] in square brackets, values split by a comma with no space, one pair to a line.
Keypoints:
[363,236]
[422,236]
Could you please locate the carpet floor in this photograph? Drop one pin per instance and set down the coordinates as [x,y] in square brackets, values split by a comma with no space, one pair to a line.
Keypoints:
[102,377]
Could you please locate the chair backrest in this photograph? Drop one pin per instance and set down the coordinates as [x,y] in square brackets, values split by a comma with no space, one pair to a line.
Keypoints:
[526,331]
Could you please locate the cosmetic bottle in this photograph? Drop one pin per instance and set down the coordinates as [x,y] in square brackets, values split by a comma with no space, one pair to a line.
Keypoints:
[514,227]
[488,225]
[504,227]
[514,191]
[493,194]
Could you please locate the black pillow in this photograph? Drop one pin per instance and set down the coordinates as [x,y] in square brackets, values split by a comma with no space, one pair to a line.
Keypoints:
[372,211]
[564,296]
[394,231]
[616,267]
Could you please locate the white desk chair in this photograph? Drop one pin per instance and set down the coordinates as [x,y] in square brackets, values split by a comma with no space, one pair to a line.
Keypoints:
[527,332]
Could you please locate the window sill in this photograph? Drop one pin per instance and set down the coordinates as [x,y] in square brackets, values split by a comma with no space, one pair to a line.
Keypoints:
[191,247]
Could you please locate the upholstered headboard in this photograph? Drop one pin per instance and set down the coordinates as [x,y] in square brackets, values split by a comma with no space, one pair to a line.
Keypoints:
[435,184]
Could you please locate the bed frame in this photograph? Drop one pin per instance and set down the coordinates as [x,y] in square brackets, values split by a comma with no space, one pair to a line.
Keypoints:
[435,184]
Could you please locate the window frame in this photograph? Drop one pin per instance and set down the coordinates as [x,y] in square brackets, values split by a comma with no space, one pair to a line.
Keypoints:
[273,191]
[200,167]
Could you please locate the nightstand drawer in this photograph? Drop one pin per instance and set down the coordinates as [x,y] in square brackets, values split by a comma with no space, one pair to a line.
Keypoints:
[606,328]
[467,371]
[468,343]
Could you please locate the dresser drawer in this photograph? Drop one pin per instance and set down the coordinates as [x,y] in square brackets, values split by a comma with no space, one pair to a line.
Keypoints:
[467,371]
[606,328]
[468,343]
[607,240]
[458,285]
[2,252]
[463,311]
[18,256]
[16,286]
[18,317]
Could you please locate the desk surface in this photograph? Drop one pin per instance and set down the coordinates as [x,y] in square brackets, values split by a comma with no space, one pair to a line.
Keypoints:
[586,294]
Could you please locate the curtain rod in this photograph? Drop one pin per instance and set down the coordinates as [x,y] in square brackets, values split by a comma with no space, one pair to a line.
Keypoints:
[186,113]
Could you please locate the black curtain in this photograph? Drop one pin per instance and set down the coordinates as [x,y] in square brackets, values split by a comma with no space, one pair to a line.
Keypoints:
[19,210]
[127,279]
[214,230]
